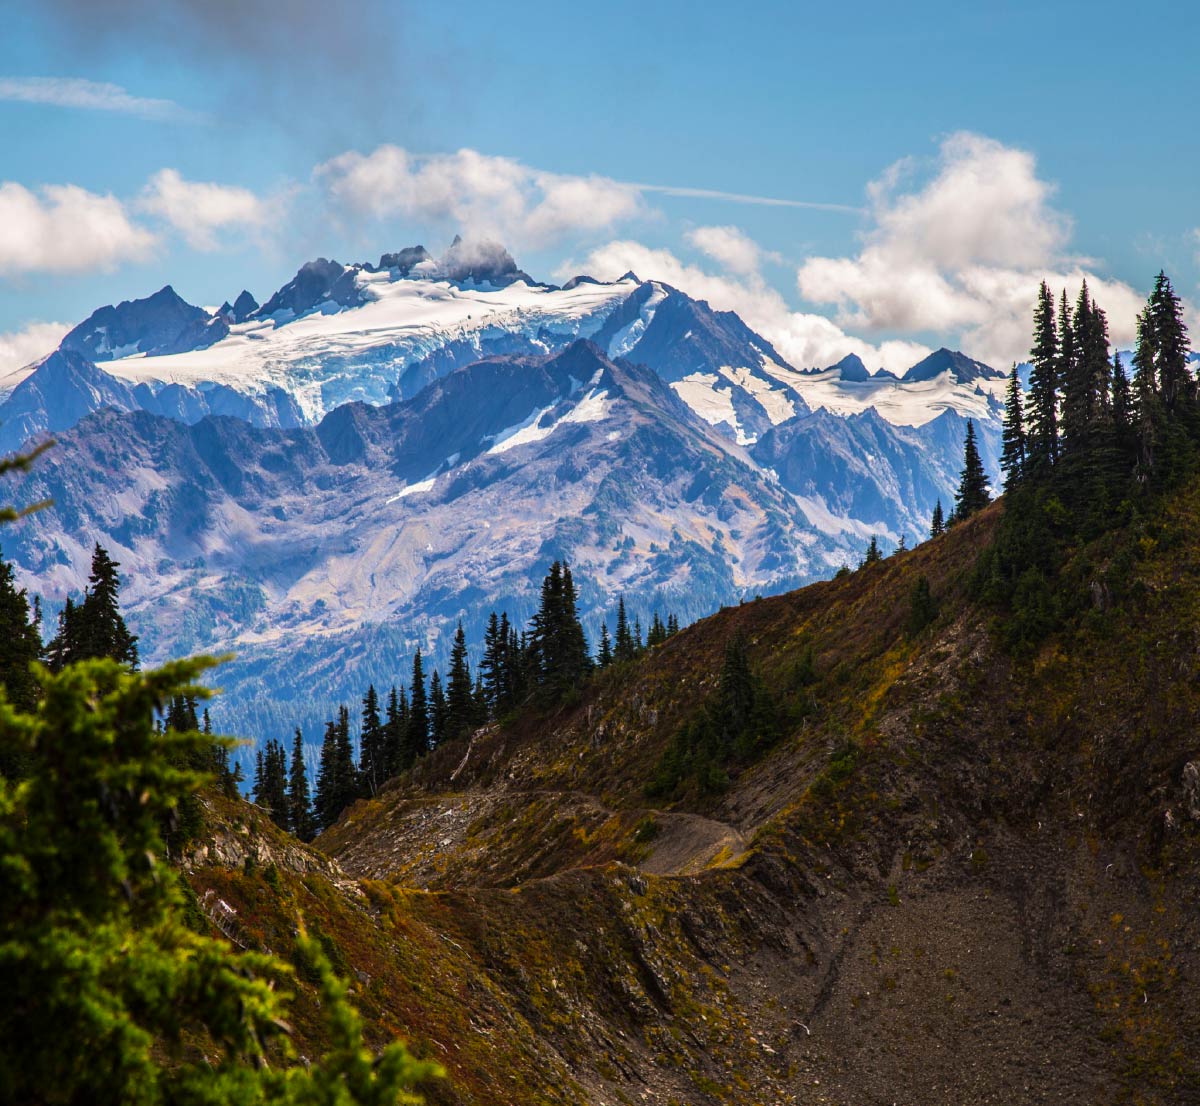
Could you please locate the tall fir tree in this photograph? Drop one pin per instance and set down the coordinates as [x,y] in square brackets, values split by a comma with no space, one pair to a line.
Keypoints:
[1042,444]
[605,655]
[94,627]
[1175,383]
[20,644]
[460,691]
[937,524]
[416,742]
[299,810]
[1012,455]
[972,485]
[348,783]
[326,799]
[439,714]
[372,744]
[623,647]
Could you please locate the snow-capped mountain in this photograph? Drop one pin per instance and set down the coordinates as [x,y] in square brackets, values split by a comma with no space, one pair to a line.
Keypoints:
[378,450]
[337,333]
[310,542]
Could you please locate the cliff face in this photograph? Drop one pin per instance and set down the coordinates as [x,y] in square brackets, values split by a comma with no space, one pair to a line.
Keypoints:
[952,876]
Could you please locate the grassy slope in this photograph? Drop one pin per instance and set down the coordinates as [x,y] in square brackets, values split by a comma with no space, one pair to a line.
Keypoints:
[951,880]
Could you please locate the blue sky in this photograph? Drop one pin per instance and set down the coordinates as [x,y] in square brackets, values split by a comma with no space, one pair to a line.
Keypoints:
[964,150]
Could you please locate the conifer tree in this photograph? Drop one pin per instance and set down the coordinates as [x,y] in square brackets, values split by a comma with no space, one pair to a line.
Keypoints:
[105,975]
[558,648]
[460,692]
[372,745]
[299,814]
[94,627]
[672,625]
[325,802]
[491,663]
[270,782]
[102,629]
[873,554]
[922,608]
[438,711]
[20,645]
[1042,444]
[1012,456]
[394,724]
[1175,383]
[972,486]
[937,524]
[416,742]
[347,777]
[605,656]
[623,647]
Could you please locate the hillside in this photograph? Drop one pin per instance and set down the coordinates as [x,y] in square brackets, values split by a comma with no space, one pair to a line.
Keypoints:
[955,875]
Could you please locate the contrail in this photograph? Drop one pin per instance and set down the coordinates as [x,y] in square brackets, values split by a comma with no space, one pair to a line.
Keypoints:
[742,198]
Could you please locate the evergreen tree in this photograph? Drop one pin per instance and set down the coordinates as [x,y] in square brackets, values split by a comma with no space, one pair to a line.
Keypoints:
[347,778]
[326,800]
[1175,383]
[394,725]
[658,631]
[937,524]
[102,630]
[416,742]
[270,782]
[105,975]
[1012,456]
[873,553]
[492,664]
[438,711]
[605,656]
[1042,443]
[460,692]
[20,646]
[558,648]
[922,608]
[672,625]
[1148,409]
[372,745]
[623,647]
[972,486]
[299,814]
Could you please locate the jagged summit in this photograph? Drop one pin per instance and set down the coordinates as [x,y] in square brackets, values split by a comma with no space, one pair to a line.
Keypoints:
[851,368]
[162,323]
[962,368]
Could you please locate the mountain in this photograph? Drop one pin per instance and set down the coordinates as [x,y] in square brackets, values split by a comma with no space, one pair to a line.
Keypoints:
[159,325]
[326,553]
[962,369]
[947,875]
[337,333]
[378,450]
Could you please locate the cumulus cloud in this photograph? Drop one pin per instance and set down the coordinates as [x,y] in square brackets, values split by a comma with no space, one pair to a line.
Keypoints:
[804,340]
[486,196]
[76,92]
[198,210]
[961,254]
[20,347]
[730,247]
[66,229]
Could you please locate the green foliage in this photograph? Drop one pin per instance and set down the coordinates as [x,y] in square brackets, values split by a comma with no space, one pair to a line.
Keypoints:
[108,990]
[736,723]
[972,485]
[922,608]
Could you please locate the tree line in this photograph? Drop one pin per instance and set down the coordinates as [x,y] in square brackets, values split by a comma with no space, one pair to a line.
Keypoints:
[544,663]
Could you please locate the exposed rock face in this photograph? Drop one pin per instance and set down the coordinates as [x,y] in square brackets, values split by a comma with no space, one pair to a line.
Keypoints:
[159,324]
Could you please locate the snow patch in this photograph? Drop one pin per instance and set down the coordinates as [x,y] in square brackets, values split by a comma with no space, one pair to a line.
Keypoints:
[712,404]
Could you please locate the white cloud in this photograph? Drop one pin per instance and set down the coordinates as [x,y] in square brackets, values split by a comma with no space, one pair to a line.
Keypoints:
[199,209]
[962,254]
[18,348]
[803,340]
[75,92]
[730,247]
[63,228]
[485,196]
